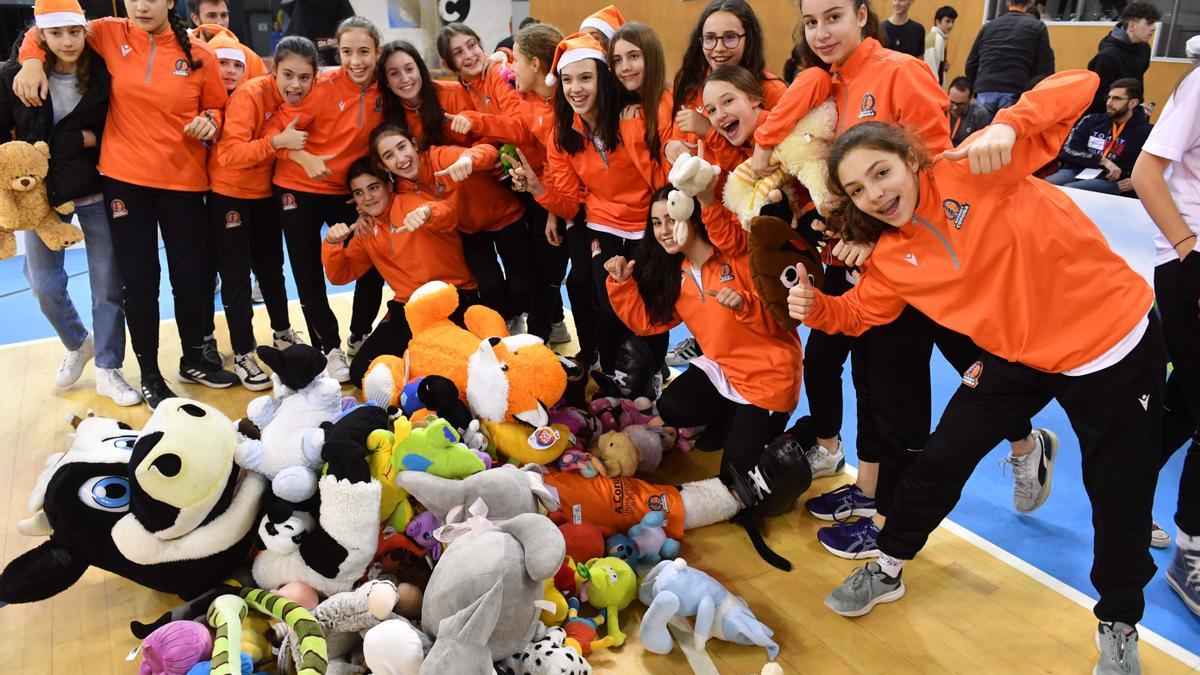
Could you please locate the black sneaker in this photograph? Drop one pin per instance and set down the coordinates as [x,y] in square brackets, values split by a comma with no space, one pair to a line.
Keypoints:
[774,483]
[211,354]
[202,371]
[155,391]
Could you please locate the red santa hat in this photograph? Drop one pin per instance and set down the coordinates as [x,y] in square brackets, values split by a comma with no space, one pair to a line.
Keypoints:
[572,49]
[56,13]
[607,21]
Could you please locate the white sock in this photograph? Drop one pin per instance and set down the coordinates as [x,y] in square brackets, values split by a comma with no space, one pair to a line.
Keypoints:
[706,502]
[1187,542]
[889,565]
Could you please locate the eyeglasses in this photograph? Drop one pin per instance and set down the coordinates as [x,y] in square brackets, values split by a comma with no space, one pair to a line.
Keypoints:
[730,40]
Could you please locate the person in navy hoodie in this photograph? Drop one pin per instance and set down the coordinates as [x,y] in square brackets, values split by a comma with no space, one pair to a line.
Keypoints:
[1107,142]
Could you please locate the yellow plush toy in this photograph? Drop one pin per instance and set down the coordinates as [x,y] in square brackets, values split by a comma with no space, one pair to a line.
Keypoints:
[801,155]
[524,444]
[23,201]
[503,378]
[394,506]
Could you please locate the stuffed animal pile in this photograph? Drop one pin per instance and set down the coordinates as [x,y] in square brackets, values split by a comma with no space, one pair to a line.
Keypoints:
[434,528]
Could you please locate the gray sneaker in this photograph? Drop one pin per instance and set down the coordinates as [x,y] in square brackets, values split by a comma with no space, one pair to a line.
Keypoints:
[866,587]
[1032,473]
[559,333]
[825,463]
[1118,645]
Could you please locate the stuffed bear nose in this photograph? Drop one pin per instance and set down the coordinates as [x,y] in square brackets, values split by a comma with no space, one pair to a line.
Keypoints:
[26,182]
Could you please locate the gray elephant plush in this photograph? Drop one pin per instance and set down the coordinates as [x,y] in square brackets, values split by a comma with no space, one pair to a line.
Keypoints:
[507,491]
[479,605]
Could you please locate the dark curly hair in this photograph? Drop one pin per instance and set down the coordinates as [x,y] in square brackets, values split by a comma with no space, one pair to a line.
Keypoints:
[856,225]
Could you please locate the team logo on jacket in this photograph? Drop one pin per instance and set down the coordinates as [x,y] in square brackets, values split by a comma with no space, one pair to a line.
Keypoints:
[971,376]
[117,207]
[867,107]
[726,273]
[342,105]
[595,247]
[125,49]
[956,212]
[658,503]
[232,219]
[288,202]
[181,67]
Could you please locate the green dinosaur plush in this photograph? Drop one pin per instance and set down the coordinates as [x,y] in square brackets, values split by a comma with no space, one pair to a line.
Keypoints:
[436,449]
[611,586]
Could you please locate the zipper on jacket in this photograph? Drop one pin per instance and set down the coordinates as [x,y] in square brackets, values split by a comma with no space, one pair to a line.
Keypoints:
[941,238]
[150,63]
[362,101]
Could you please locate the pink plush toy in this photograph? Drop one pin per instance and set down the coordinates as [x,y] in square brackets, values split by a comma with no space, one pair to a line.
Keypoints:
[300,593]
[175,647]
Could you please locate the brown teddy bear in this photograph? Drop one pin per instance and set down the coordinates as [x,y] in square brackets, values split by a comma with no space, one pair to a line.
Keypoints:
[23,201]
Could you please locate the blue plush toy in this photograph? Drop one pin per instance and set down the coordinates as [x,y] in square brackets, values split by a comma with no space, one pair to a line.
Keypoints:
[646,544]
[672,589]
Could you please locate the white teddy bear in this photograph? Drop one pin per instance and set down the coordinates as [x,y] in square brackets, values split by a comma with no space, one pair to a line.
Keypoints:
[690,176]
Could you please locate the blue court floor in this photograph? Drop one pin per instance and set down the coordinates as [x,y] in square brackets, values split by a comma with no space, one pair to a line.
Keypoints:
[1057,539]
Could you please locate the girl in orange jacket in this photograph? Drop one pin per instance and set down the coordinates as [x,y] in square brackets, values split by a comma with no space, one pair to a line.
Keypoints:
[871,83]
[524,117]
[1060,315]
[636,56]
[244,219]
[310,184]
[415,240]
[594,150]
[490,218]
[747,382]
[166,94]
[726,33]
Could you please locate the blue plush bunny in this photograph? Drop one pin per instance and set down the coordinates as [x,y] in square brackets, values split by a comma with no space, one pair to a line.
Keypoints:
[673,589]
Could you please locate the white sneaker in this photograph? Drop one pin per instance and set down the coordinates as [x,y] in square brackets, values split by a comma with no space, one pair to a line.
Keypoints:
[337,367]
[110,382]
[1033,473]
[682,354]
[1159,537]
[354,343]
[246,367]
[823,462]
[286,339]
[516,325]
[559,333]
[72,364]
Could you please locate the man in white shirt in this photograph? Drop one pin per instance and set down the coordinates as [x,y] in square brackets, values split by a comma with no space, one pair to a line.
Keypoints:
[935,41]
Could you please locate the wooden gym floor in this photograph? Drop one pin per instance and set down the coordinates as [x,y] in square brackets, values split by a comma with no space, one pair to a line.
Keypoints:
[966,611]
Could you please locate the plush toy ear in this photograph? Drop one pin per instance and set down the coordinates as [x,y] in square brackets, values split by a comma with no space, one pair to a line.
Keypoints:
[543,542]
[438,495]
[40,573]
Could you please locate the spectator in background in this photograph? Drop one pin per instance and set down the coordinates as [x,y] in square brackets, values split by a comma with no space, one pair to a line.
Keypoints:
[507,43]
[1009,51]
[203,12]
[965,116]
[317,20]
[1125,52]
[1193,48]
[1100,151]
[904,34]
[935,41]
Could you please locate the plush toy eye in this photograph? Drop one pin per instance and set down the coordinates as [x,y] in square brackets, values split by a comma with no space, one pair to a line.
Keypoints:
[789,277]
[122,442]
[612,575]
[106,493]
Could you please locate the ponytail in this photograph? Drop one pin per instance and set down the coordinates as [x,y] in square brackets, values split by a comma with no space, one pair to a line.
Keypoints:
[185,41]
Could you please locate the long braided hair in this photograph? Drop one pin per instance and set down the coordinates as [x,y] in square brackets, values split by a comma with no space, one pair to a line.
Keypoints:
[185,42]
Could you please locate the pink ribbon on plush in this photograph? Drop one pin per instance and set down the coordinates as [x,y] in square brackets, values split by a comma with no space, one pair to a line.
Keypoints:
[476,522]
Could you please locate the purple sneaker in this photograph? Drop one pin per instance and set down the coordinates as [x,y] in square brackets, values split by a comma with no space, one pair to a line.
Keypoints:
[852,541]
[842,504]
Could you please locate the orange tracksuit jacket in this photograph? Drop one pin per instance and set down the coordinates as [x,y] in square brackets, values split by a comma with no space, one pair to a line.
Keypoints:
[483,203]
[616,181]
[1006,259]
[242,162]
[407,260]
[760,358]
[874,85]
[339,117]
[155,94]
